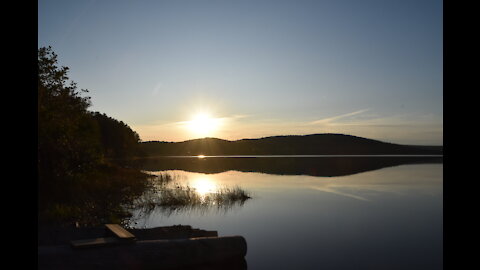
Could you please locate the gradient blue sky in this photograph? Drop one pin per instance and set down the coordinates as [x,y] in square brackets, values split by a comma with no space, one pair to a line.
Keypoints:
[260,68]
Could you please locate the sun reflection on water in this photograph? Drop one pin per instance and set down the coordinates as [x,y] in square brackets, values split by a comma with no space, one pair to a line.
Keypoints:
[204,186]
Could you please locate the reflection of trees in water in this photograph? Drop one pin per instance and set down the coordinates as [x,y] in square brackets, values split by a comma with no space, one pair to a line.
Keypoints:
[314,166]
[169,196]
[130,192]
[104,196]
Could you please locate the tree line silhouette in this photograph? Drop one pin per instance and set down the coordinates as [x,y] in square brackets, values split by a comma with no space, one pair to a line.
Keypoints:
[79,151]
[313,144]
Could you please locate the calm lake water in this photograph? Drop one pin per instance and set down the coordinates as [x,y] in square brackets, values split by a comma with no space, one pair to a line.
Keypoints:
[319,212]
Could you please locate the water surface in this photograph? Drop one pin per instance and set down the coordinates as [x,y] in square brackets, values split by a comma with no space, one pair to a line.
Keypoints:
[320,213]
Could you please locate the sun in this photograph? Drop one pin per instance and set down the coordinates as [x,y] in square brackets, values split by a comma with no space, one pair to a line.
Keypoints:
[203,124]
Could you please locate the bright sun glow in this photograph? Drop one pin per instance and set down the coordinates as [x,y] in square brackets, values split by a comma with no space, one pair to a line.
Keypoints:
[203,186]
[203,124]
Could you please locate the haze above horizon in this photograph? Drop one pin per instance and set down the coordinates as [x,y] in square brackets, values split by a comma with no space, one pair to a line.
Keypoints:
[181,70]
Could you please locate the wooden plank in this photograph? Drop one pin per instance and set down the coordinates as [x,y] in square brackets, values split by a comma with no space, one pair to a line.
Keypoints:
[95,242]
[120,232]
[202,233]
[152,254]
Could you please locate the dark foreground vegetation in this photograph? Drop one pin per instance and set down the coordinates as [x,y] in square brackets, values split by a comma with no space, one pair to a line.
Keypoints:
[81,176]
[315,144]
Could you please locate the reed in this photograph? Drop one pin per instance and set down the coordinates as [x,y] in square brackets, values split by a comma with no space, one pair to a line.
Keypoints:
[168,194]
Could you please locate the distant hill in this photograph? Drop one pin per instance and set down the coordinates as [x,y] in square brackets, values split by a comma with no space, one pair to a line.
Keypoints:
[315,144]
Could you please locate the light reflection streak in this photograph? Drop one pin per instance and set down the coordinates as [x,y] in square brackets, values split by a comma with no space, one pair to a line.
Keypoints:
[204,186]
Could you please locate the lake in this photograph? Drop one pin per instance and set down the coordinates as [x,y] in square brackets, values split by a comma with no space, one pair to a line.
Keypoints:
[318,212]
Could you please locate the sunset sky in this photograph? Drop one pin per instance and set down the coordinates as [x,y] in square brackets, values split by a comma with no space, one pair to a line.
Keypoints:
[179,70]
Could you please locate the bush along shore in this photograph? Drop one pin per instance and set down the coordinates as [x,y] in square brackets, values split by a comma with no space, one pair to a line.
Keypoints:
[81,174]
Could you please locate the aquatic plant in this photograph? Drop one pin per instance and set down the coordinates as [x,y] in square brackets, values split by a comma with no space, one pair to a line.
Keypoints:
[168,194]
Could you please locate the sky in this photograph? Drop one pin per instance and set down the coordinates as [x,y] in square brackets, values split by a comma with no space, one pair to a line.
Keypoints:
[186,69]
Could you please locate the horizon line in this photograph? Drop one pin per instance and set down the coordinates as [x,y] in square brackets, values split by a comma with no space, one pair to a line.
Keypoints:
[288,136]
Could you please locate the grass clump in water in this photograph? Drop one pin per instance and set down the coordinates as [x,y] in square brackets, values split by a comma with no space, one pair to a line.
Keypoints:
[229,195]
[168,194]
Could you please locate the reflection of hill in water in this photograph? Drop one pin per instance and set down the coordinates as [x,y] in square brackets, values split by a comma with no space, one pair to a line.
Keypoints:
[314,166]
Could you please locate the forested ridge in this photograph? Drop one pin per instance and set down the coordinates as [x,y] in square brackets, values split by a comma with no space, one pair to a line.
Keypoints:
[314,144]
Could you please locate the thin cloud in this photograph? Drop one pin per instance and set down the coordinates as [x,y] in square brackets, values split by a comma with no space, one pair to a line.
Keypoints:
[396,121]
[226,119]
[331,119]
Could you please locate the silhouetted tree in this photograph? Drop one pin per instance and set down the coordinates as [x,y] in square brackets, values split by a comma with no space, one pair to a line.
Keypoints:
[71,139]
[79,152]
[118,140]
[68,142]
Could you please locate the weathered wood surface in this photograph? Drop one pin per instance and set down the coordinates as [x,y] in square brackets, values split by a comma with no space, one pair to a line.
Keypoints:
[95,242]
[171,232]
[150,254]
[63,236]
[119,236]
[119,232]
